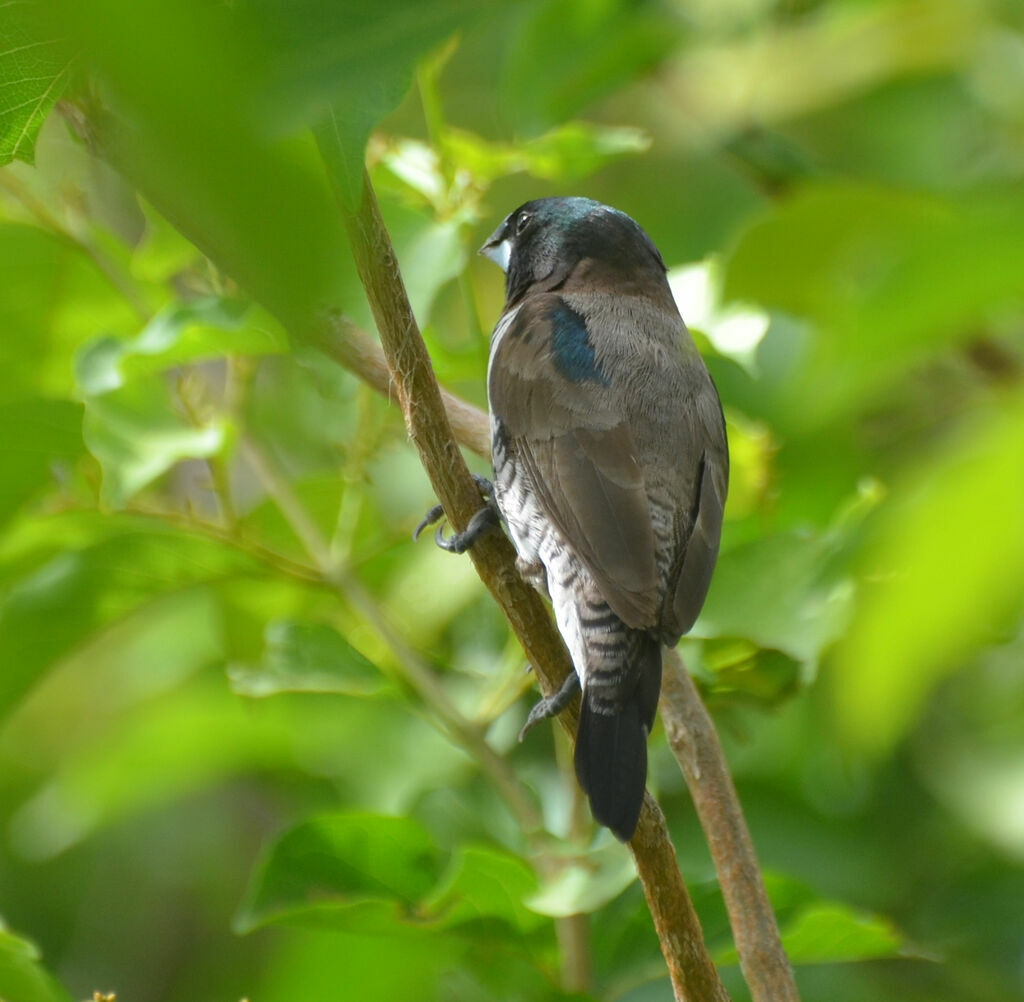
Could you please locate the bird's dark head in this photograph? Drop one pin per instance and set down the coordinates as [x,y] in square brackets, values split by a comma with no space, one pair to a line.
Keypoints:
[545,241]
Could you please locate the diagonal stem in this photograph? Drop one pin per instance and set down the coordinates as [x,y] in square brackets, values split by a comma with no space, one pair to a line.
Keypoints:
[693,974]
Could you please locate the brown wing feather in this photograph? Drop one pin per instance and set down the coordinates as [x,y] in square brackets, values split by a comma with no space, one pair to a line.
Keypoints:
[581,460]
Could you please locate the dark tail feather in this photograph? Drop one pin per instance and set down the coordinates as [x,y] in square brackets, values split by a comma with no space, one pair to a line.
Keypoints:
[611,747]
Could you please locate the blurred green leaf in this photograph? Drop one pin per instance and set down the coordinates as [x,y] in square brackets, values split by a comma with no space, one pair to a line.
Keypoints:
[22,978]
[586,885]
[137,435]
[307,657]
[183,74]
[566,153]
[779,593]
[830,933]
[34,69]
[889,279]
[943,574]
[186,332]
[53,298]
[344,67]
[61,601]
[41,436]
[485,883]
[166,750]
[569,53]
[373,867]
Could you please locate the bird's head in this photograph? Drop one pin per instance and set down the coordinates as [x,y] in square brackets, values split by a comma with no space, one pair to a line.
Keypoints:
[541,243]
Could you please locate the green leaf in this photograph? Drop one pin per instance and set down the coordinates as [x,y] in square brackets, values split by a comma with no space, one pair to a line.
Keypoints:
[307,657]
[22,978]
[943,575]
[72,590]
[169,748]
[779,593]
[570,53]
[485,883]
[41,436]
[185,332]
[34,69]
[888,278]
[586,884]
[566,153]
[826,933]
[137,436]
[53,298]
[347,869]
[344,67]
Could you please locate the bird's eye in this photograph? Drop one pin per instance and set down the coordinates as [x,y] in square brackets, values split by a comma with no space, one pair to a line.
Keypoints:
[522,221]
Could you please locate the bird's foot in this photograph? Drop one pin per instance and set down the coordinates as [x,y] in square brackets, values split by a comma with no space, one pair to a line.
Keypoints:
[551,706]
[486,518]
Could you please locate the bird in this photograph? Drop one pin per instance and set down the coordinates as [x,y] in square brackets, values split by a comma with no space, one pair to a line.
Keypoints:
[611,469]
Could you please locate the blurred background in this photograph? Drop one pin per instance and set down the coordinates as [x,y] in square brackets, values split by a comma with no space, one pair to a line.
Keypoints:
[255,742]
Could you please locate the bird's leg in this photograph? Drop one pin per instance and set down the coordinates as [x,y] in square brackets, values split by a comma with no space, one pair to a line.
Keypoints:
[486,518]
[551,706]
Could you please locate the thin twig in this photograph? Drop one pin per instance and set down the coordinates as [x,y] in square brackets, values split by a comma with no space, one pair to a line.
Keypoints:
[693,740]
[693,974]
[414,671]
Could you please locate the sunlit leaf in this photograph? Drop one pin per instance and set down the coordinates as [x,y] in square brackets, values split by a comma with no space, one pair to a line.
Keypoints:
[22,978]
[888,278]
[485,883]
[324,868]
[585,885]
[35,65]
[307,657]
[60,603]
[41,436]
[777,593]
[137,435]
[168,749]
[566,153]
[943,574]
[186,332]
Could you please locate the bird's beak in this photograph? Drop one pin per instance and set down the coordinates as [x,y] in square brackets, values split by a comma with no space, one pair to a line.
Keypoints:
[498,248]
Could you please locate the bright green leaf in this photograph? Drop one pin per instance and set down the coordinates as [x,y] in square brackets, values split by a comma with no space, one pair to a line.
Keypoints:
[34,69]
[171,747]
[776,592]
[586,884]
[888,278]
[40,436]
[830,933]
[57,605]
[944,574]
[567,153]
[137,435]
[485,883]
[22,978]
[323,868]
[307,657]
[186,332]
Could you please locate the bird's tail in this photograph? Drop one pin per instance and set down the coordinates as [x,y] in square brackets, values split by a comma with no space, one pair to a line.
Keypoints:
[616,716]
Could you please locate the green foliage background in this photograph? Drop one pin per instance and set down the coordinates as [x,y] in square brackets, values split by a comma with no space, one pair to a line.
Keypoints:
[221,772]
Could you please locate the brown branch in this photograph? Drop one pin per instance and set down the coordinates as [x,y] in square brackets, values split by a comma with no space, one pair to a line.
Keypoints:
[409,377]
[693,740]
[693,974]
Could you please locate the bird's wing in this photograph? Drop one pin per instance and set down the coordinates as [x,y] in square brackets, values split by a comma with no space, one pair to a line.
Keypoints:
[566,425]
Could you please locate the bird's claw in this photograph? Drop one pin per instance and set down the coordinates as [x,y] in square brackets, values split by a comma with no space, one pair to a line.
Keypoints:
[551,706]
[482,520]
